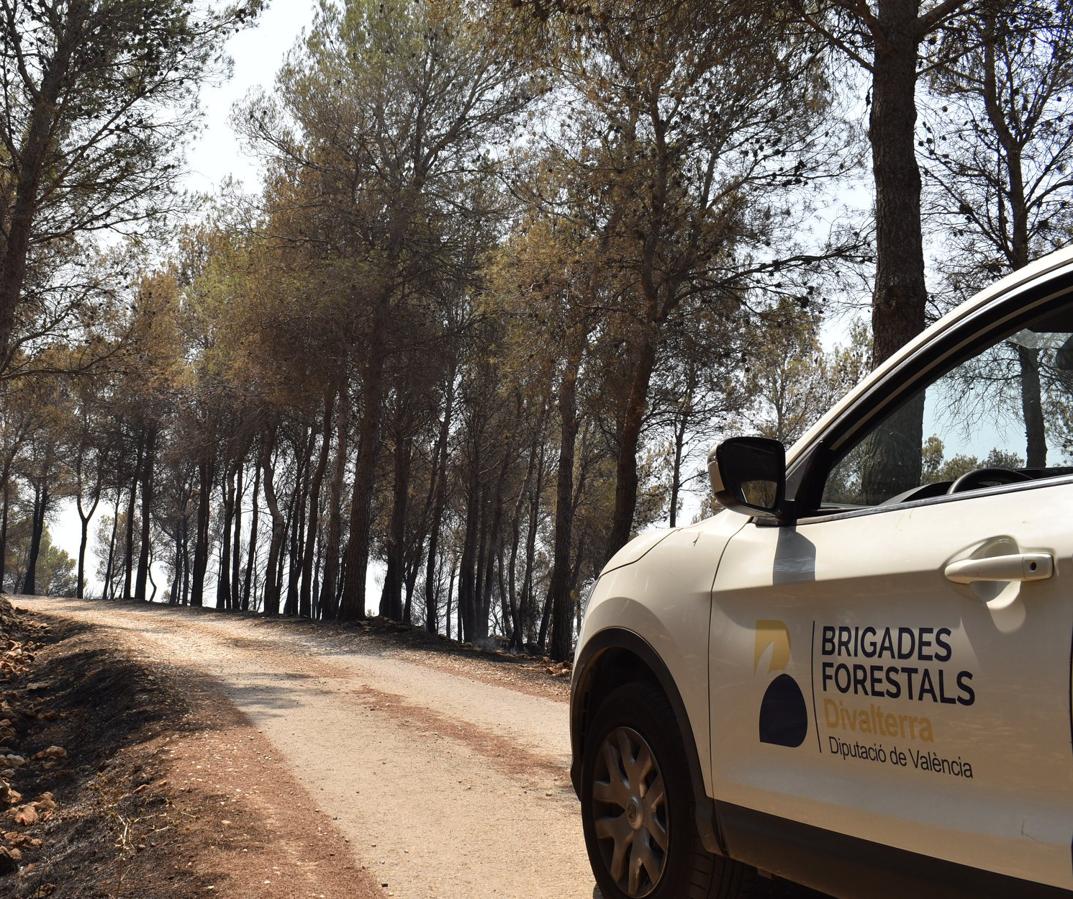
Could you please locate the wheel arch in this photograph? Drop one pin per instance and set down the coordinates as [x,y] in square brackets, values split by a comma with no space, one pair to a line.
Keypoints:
[615,656]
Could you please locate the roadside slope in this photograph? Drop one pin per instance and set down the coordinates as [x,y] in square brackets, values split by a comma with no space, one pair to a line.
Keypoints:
[445,785]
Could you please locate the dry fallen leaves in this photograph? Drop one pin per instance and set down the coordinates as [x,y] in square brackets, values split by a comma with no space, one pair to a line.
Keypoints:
[25,815]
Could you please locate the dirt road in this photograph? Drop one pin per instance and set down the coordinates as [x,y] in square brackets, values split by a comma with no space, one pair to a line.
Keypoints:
[446,779]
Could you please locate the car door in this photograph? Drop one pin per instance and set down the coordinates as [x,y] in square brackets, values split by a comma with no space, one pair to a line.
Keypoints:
[898,669]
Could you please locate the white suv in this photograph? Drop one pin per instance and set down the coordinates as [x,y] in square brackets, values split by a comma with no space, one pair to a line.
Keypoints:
[858,675]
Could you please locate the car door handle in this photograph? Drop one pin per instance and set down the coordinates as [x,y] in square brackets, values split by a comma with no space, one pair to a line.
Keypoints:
[1017,567]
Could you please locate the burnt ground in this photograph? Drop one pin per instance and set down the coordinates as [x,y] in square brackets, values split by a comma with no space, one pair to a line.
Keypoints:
[108,805]
[107,786]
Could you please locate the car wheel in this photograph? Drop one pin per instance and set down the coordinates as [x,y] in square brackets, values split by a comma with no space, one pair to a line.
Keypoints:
[637,807]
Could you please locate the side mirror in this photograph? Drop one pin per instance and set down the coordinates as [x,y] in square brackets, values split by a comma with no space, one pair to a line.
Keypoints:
[748,475]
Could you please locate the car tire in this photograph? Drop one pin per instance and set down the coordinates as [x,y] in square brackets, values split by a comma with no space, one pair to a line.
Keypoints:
[624,817]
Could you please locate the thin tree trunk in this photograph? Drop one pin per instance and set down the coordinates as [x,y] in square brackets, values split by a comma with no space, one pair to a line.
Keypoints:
[680,423]
[132,503]
[3,532]
[223,578]
[84,518]
[305,597]
[296,523]
[147,506]
[236,552]
[275,546]
[29,584]
[440,477]
[450,595]
[329,581]
[391,595]
[109,567]
[186,560]
[251,553]
[467,573]
[559,585]
[206,474]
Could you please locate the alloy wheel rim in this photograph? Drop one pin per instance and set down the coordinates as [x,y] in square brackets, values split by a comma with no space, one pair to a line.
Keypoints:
[629,805]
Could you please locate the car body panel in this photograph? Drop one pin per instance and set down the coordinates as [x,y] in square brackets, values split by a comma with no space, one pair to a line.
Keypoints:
[666,600]
[1010,733]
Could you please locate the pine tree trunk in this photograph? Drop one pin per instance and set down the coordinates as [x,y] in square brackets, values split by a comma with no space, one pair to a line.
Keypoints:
[296,524]
[391,595]
[251,552]
[132,504]
[629,439]
[467,572]
[206,475]
[29,584]
[440,503]
[236,550]
[275,546]
[109,568]
[900,296]
[147,507]
[559,585]
[329,581]
[3,533]
[32,156]
[357,555]
[305,597]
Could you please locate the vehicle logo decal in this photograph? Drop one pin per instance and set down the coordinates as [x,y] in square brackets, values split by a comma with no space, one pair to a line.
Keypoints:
[783,716]
[772,634]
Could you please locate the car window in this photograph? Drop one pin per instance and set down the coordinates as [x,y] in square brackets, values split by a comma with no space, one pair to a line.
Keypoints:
[1001,416]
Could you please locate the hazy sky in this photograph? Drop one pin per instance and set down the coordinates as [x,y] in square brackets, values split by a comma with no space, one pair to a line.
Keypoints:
[213,155]
[257,53]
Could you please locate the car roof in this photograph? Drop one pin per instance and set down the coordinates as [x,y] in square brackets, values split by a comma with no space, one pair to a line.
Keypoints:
[1046,266]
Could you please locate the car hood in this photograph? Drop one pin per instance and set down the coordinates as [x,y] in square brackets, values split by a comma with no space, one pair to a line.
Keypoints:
[636,549]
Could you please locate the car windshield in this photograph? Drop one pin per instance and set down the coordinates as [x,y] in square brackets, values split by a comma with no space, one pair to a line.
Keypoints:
[1006,409]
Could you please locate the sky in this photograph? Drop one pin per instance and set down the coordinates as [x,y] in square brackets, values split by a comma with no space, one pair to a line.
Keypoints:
[214,155]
